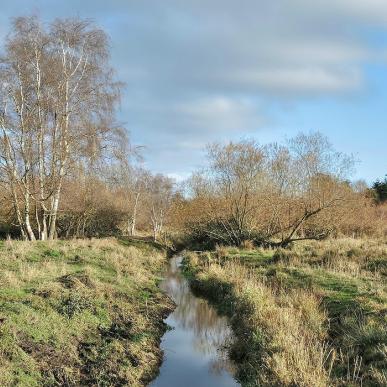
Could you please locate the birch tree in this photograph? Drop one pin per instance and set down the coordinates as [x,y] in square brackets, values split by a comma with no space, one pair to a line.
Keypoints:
[132,182]
[159,196]
[58,98]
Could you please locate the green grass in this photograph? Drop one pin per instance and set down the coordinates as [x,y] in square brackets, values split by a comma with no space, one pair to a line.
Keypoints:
[348,277]
[80,313]
[144,244]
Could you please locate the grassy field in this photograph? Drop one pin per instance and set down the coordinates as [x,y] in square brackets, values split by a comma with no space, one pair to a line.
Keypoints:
[313,315]
[84,312]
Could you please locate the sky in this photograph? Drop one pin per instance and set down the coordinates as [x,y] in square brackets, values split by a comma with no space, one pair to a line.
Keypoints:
[199,71]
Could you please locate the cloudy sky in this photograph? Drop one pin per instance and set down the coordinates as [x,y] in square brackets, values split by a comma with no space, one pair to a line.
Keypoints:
[198,71]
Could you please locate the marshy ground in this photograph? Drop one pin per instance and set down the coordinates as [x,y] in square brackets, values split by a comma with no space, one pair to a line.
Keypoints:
[313,315]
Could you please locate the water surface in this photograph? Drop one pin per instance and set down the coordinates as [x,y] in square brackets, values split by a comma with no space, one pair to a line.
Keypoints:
[194,350]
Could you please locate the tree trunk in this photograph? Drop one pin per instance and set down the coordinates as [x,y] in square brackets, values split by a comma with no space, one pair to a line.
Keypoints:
[30,232]
[134,216]
[155,233]
[54,212]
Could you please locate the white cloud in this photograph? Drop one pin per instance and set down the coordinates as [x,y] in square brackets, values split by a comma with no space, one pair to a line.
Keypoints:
[199,70]
[302,79]
[366,11]
[220,113]
[178,177]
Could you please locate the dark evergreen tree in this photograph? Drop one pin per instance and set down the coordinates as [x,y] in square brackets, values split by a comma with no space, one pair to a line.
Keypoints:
[380,188]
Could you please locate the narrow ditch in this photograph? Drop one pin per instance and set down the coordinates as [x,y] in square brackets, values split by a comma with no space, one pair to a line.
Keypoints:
[195,346]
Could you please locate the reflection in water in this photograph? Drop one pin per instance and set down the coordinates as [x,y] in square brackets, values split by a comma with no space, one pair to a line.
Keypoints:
[194,350]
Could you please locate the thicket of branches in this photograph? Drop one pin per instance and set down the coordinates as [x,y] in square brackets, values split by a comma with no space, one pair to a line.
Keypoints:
[277,194]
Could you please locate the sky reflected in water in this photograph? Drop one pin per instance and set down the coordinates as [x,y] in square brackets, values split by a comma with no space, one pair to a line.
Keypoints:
[194,352]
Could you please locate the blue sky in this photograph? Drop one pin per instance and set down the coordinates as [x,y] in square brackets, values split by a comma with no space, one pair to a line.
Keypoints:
[198,71]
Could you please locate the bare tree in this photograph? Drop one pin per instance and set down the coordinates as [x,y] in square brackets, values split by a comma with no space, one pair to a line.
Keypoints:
[58,97]
[132,182]
[159,197]
[272,194]
[237,172]
[137,192]
[316,187]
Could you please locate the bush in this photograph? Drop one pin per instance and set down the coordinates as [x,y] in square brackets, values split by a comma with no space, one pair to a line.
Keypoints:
[248,244]
[221,252]
[284,256]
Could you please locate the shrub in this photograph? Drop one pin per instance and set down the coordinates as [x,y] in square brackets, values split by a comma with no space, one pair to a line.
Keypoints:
[221,252]
[248,244]
[284,256]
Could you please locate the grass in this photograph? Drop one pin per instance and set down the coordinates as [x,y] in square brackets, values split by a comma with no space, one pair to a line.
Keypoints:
[82,312]
[315,314]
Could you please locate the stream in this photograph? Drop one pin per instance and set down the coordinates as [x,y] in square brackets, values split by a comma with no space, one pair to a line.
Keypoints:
[194,349]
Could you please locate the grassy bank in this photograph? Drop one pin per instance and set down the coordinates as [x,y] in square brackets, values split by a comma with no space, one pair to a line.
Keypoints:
[314,315]
[84,312]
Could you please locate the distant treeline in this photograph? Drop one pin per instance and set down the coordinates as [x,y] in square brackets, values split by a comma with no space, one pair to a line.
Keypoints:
[67,169]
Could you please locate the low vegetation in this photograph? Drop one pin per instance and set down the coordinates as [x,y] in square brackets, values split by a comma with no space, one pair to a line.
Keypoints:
[82,312]
[308,309]
[315,314]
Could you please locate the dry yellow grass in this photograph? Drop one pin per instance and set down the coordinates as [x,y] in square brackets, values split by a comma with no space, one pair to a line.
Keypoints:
[313,315]
[292,325]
